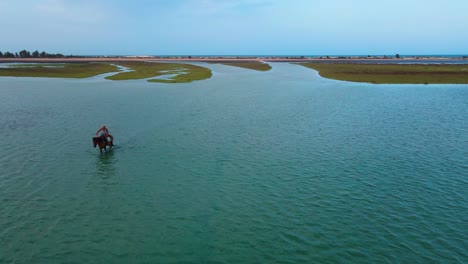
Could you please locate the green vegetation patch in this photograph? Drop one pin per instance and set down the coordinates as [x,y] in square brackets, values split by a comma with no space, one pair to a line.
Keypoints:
[52,65]
[190,73]
[67,70]
[253,65]
[393,73]
[143,70]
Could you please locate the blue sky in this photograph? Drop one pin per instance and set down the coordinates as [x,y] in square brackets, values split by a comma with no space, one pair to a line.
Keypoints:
[235,27]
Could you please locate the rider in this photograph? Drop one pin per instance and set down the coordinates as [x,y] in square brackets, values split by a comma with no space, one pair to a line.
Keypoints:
[105,133]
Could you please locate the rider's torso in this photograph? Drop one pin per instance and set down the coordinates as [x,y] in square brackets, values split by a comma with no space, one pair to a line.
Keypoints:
[104,132]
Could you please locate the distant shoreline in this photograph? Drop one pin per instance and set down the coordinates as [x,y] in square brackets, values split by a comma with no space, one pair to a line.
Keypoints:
[373,59]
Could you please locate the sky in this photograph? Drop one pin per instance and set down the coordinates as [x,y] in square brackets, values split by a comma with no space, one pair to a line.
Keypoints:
[235,27]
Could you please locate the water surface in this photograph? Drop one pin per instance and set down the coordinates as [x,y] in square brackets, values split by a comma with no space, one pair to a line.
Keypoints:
[246,167]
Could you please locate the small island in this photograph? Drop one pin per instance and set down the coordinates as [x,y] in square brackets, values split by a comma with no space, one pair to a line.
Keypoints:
[57,70]
[252,65]
[393,73]
[153,71]
[42,64]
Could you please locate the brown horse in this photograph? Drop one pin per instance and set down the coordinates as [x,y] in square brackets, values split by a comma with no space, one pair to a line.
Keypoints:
[103,143]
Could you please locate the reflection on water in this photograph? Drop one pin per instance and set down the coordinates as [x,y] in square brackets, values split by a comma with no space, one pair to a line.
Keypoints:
[105,164]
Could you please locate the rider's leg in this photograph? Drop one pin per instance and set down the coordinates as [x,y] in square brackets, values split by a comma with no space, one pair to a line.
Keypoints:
[111,139]
[105,139]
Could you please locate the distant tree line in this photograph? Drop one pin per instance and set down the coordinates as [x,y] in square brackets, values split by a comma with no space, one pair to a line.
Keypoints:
[27,54]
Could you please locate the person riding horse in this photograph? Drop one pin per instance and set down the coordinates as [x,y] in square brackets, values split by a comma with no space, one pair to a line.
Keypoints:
[105,134]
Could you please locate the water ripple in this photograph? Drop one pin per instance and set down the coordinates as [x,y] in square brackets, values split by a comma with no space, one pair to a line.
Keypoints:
[246,168]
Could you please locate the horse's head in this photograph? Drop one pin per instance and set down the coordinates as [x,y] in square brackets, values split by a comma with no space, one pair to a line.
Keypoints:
[95,141]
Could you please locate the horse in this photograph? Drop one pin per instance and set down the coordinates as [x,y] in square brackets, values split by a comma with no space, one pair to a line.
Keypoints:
[103,143]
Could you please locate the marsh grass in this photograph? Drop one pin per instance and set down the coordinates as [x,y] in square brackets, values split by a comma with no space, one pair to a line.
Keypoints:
[190,73]
[68,70]
[145,70]
[23,65]
[253,65]
[393,73]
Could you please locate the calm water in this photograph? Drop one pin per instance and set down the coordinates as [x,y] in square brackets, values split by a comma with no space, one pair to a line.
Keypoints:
[247,167]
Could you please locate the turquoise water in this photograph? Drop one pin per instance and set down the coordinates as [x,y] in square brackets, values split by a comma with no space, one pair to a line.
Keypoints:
[246,167]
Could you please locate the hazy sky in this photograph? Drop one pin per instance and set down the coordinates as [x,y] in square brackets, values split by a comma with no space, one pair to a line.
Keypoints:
[231,27]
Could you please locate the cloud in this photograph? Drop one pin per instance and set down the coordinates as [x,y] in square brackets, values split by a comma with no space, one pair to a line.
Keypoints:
[221,7]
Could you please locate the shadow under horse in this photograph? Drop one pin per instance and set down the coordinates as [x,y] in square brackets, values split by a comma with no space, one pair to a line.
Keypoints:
[103,143]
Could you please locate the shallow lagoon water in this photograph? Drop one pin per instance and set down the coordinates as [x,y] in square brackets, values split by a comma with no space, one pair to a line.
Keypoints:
[246,167]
